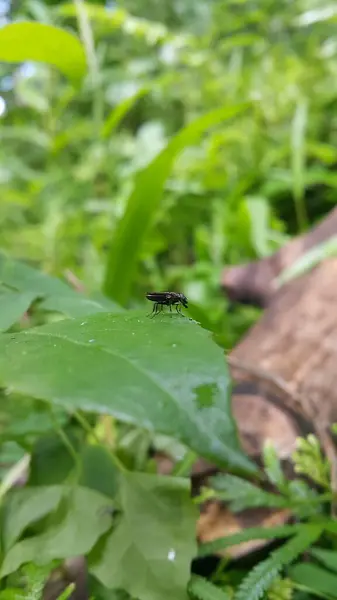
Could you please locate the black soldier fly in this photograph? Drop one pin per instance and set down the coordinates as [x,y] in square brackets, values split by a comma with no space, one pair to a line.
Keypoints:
[170,299]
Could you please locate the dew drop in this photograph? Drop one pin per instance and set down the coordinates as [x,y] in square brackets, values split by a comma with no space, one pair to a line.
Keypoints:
[171,555]
[174,345]
[84,323]
[91,341]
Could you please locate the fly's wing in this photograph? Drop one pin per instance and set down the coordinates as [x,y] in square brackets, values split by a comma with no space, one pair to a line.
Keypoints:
[160,297]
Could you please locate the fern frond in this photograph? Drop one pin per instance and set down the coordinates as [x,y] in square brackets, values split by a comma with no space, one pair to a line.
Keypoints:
[242,494]
[260,578]
[254,533]
[202,589]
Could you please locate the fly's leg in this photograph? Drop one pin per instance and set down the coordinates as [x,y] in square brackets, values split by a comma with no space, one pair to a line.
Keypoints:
[157,309]
[154,311]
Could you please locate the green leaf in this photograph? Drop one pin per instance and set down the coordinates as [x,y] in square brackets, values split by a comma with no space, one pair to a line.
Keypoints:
[13,306]
[308,261]
[205,590]
[259,579]
[144,202]
[242,494]
[298,155]
[23,419]
[77,525]
[51,461]
[59,297]
[75,305]
[67,593]
[259,213]
[24,278]
[26,506]
[119,112]
[273,468]
[326,557]
[21,42]
[316,580]
[165,375]
[149,553]
[98,471]
[253,533]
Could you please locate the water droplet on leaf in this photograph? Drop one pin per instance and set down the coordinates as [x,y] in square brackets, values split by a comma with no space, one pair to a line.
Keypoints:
[171,555]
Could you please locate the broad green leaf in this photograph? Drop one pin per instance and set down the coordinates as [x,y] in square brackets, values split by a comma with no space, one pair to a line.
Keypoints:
[76,526]
[59,297]
[262,575]
[51,462]
[163,374]
[149,553]
[316,580]
[26,506]
[144,202]
[74,305]
[24,419]
[98,471]
[327,557]
[24,278]
[22,42]
[13,306]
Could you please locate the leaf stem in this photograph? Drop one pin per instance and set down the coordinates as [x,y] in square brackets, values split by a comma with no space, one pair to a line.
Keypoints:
[183,467]
[87,427]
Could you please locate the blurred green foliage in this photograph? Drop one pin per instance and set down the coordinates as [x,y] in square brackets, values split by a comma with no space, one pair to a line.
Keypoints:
[69,156]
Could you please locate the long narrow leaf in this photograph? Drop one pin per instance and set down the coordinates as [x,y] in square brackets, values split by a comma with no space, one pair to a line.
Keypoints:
[119,112]
[202,589]
[317,581]
[144,201]
[298,161]
[253,533]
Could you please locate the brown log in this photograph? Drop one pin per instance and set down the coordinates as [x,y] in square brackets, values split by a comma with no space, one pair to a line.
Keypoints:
[291,355]
[285,368]
[254,283]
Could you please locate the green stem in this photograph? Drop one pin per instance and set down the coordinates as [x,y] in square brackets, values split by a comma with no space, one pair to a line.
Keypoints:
[87,427]
[67,443]
[93,66]
[184,466]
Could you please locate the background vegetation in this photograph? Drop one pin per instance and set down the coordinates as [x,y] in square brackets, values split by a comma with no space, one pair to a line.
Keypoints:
[172,139]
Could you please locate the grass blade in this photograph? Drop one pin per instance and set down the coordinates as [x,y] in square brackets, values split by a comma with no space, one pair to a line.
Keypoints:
[144,201]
